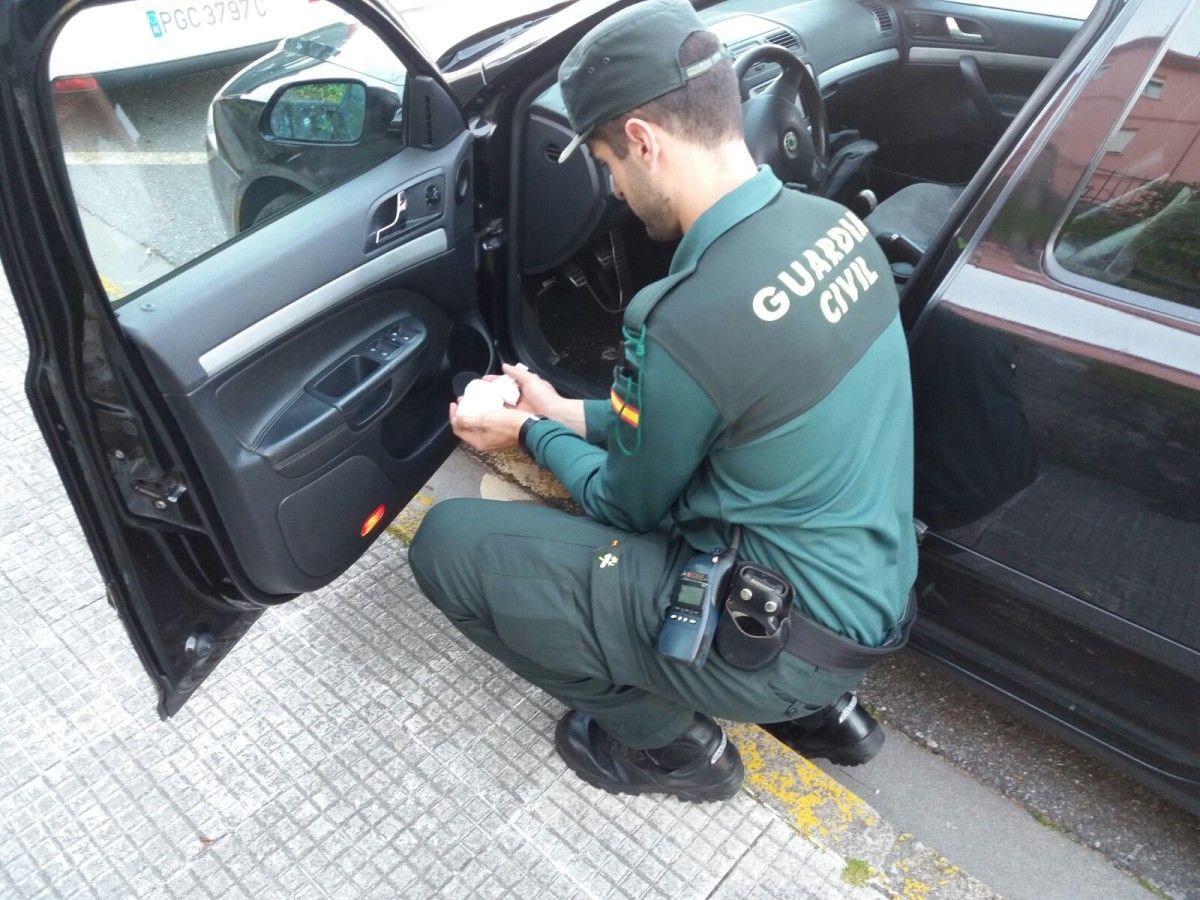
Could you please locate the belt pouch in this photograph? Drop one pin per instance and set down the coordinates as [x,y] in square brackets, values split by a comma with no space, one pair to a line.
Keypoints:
[755,625]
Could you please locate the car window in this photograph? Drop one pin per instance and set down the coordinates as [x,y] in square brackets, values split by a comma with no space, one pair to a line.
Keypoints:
[445,23]
[1136,224]
[1069,9]
[183,126]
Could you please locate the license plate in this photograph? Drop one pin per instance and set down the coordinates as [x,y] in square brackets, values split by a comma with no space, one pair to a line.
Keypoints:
[168,21]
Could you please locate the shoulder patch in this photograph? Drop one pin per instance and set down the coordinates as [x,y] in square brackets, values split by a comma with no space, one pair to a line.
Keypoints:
[624,408]
[625,395]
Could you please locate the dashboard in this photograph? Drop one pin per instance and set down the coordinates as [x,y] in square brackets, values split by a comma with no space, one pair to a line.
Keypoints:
[566,206]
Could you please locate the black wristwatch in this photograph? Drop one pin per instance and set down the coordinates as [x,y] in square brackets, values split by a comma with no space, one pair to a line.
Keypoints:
[523,434]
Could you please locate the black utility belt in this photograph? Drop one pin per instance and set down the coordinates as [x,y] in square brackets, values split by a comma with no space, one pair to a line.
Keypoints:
[760,620]
[825,649]
[747,610]
[756,618]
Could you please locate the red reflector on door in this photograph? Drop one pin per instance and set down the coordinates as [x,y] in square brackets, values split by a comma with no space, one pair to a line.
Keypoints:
[372,520]
[73,85]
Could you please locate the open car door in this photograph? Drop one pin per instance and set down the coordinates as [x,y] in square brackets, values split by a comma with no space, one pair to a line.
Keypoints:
[968,68]
[241,359]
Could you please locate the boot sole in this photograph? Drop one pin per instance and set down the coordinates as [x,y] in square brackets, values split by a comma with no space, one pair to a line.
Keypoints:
[712,794]
[850,755]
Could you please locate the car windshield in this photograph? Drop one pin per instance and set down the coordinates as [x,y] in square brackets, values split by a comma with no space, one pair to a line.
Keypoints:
[442,25]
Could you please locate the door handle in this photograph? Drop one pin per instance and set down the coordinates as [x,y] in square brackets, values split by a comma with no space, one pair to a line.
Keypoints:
[401,207]
[957,34]
[392,379]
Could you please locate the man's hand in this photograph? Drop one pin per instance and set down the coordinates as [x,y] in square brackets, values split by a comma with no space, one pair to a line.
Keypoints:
[537,395]
[496,430]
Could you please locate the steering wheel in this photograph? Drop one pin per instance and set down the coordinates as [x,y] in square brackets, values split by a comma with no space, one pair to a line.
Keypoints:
[776,131]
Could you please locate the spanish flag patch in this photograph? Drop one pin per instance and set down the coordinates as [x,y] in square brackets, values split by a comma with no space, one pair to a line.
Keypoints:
[628,412]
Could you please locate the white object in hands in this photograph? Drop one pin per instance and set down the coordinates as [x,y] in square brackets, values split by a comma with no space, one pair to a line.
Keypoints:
[481,397]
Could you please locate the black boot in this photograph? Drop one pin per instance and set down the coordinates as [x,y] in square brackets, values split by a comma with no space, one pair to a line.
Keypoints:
[843,733]
[700,765]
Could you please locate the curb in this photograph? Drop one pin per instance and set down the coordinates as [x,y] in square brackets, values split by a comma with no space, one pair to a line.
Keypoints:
[835,818]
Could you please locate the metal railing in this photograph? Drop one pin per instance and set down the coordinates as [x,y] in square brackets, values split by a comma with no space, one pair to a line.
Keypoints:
[1108,184]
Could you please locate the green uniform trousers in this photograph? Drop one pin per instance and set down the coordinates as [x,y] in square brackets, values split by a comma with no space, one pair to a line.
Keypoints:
[574,606]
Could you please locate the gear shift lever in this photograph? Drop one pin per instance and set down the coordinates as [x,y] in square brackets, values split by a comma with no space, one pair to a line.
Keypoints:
[864,204]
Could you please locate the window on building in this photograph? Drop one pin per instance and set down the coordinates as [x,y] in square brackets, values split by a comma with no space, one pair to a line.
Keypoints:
[1119,141]
[1136,223]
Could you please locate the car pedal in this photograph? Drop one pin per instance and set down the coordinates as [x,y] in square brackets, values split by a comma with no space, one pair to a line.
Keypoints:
[604,256]
[575,274]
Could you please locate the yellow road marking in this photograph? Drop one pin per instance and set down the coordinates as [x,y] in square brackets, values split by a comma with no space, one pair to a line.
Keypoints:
[817,804]
[111,288]
[405,525]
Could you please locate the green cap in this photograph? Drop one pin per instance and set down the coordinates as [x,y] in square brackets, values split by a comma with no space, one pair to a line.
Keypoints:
[629,59]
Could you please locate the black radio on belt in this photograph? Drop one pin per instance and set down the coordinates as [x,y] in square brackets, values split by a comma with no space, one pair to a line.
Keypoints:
[691,619]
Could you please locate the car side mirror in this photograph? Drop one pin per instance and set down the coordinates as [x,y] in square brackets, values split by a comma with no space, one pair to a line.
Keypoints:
[317,112]
[396,120]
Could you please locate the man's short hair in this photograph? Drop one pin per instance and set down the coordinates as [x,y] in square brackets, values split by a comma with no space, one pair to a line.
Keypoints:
[705,111]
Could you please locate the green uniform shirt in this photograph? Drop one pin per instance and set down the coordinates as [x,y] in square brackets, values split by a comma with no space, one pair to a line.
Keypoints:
[766,383]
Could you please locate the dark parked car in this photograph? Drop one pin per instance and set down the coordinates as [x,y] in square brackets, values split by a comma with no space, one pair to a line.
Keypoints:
[294,122]
[239,430]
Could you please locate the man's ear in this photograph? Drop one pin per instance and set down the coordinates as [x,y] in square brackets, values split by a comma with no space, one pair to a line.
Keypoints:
[643,141]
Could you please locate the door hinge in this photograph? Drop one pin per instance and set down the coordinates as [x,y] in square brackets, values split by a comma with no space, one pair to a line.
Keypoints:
[161,493]
[492,236]
[145,487]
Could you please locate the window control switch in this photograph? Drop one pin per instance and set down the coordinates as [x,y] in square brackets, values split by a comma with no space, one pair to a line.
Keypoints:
[401,334]
[383,349]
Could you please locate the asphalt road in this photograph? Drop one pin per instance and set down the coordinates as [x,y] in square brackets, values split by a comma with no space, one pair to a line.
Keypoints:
[136,159]
[1060,787]
[147,180]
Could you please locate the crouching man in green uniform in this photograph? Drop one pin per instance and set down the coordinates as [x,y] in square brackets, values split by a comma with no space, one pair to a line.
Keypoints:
[765,385]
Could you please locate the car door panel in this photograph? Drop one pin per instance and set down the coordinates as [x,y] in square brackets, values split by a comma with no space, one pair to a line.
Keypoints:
[303,410]
[265,352]
[1001,33]
[934,123]
[237,299]
[1030,644]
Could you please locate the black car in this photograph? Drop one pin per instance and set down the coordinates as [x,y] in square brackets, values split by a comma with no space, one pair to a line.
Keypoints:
[239,430]
[295,121]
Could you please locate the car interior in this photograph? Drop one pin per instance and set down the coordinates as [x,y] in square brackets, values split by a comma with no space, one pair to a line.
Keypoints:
[901,99]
